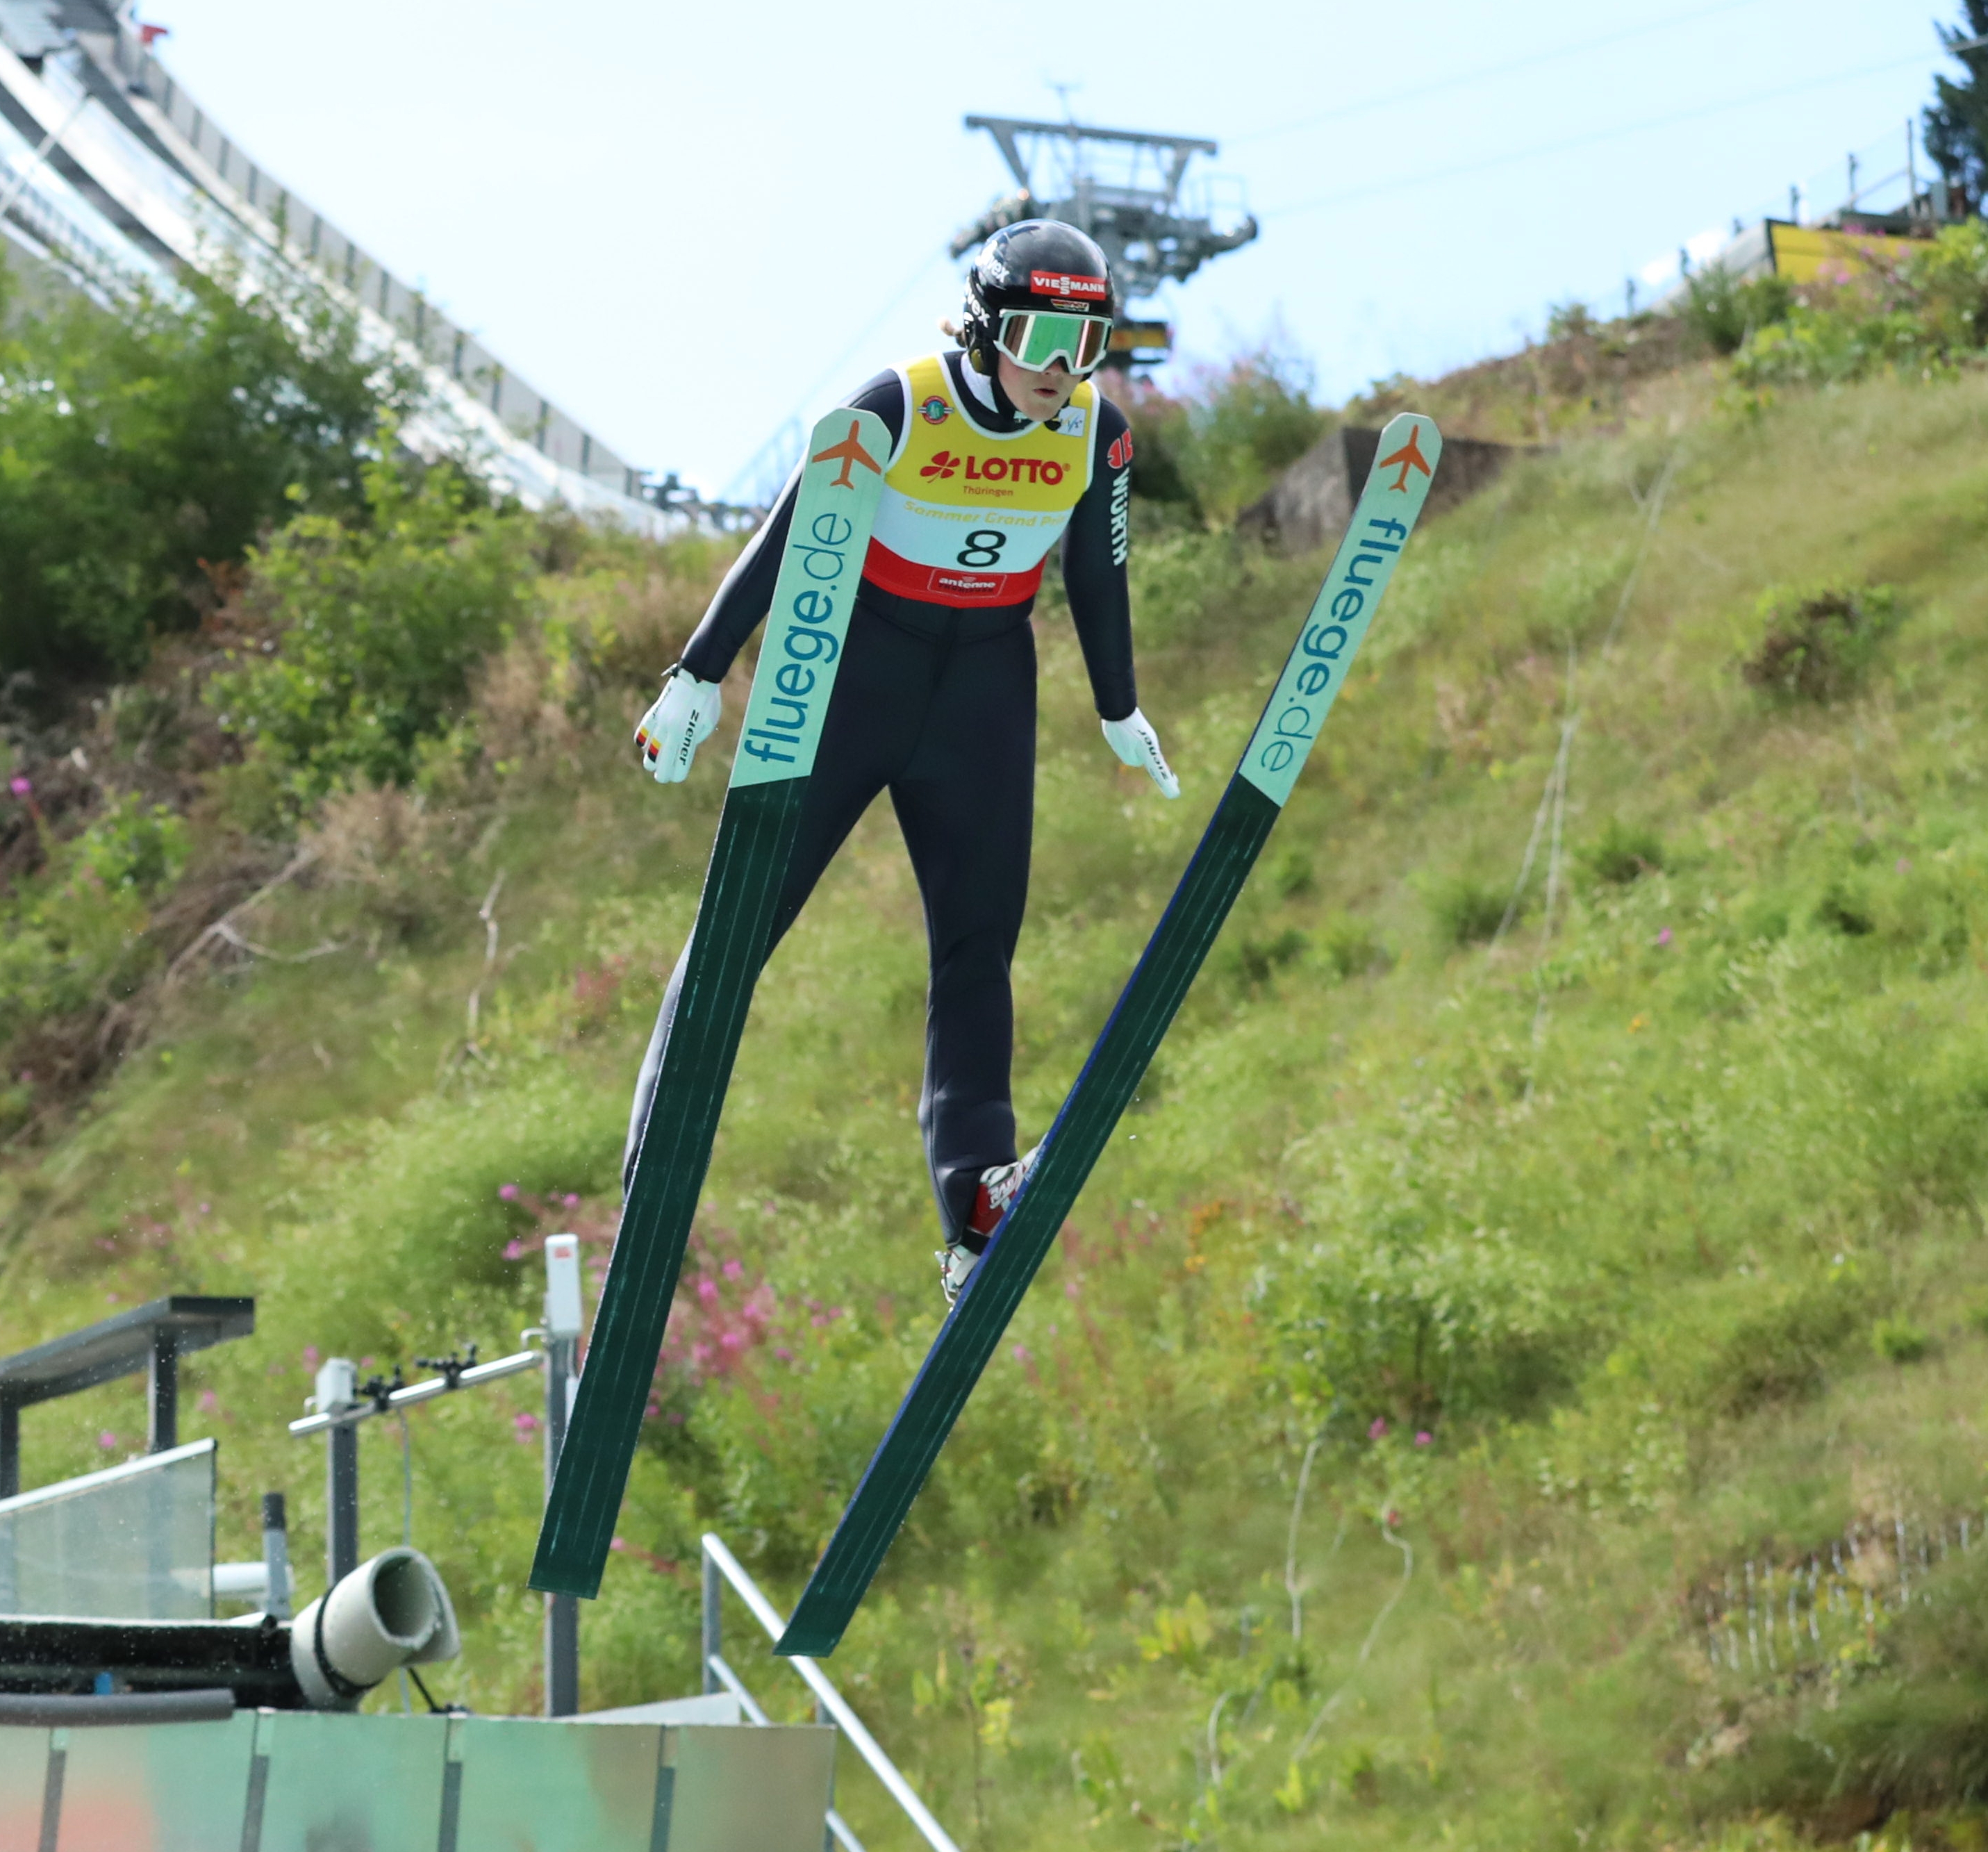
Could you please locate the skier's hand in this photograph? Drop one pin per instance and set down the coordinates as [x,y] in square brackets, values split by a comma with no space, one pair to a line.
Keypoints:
[673,729]
[1134,741]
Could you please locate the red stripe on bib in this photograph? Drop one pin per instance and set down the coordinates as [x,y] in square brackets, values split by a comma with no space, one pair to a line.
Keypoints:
[958,585]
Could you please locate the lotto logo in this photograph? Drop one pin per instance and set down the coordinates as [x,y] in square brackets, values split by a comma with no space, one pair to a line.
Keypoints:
[944,464]
[1120,452]
[1056,282]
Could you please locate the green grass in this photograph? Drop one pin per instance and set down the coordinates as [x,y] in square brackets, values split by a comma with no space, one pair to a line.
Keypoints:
[1663,1229]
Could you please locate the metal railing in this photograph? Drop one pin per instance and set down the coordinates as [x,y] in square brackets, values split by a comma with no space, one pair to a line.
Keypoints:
[720,1561]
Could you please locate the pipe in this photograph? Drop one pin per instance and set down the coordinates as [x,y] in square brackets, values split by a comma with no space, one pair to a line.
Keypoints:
[37,1710]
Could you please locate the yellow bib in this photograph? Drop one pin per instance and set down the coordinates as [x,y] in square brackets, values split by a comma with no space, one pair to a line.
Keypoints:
[967,517]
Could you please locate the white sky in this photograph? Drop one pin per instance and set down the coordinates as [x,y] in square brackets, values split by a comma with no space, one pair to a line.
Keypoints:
[686,224]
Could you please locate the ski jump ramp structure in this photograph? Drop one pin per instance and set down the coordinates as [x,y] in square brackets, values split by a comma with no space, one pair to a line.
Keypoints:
[111,172]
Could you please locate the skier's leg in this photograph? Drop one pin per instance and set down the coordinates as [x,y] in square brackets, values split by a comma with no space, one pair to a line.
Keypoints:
[869,730]
[965,805]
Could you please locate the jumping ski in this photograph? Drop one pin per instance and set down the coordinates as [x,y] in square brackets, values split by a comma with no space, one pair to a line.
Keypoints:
[1312,674]
[819,568]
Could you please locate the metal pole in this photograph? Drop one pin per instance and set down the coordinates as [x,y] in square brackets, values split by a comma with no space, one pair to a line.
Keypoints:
[162,1419]
[341,1503]
[10,1447]
[1912,168]
[276,1556]
[714,1617]
[337,1387]
[830,1699]
[562,1329]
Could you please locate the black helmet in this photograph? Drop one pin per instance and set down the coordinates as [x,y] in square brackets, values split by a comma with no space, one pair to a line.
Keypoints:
[1040,263]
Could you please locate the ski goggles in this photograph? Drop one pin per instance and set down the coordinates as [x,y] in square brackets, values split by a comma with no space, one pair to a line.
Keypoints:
[1037,338]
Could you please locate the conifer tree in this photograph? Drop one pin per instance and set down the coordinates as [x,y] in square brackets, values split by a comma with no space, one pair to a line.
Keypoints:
[1956,123]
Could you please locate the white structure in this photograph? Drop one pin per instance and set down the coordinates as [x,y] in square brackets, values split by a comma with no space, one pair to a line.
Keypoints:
[113,172]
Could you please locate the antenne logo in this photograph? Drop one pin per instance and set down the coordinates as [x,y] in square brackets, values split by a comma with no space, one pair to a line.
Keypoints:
[1057,282]
[1410,457]
[944,464]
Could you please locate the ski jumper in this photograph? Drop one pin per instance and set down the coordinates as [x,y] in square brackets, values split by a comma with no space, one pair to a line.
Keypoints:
[936,702]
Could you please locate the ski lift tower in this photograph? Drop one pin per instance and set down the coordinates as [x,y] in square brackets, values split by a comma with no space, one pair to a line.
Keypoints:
[1125,189]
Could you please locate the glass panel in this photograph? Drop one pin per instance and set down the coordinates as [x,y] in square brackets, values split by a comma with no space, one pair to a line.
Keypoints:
[132,1543]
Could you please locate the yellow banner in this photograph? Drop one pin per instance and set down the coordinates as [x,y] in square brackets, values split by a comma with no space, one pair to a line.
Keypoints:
[1807,254]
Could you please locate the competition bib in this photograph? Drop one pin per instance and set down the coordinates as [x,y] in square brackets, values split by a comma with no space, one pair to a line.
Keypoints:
[967,517]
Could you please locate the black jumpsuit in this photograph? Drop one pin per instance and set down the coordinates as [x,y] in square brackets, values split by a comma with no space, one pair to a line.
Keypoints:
[937,704]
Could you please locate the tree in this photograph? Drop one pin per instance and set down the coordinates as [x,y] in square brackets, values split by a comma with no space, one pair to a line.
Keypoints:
[145,444]
[1956,124]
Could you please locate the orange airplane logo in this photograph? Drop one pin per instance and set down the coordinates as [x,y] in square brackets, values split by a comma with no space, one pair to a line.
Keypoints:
[846,453]
[1409,456]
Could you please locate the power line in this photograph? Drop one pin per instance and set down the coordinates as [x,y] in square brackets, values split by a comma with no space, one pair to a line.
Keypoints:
[1484,73]
[1482,164]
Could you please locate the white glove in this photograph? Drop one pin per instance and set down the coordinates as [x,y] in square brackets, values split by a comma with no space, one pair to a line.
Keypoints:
[679,722]
[1134,741]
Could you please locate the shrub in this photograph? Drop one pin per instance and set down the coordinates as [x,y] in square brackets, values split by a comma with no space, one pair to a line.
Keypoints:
[1725,313]
[1425,1325]
[373,629]
[1817,644]
[143,448]
[1243,427]
[1921,315]
[77,933]
[1466,912]
[1624,851]
[1898,1340]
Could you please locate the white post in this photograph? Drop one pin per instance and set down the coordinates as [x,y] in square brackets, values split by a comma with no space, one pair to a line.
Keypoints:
[563,1321]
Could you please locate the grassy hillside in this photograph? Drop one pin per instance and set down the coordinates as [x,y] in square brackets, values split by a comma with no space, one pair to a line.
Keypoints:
[1452,1321]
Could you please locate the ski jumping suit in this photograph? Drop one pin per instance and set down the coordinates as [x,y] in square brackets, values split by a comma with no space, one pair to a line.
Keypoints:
[935,701]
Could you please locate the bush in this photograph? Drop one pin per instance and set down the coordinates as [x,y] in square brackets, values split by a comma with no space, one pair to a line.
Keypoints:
[143,449]
[1221,449]
[372,630]
[1817,644]
[77,931]
[1425,1326]
[1726,313]
[1920,316]
[1624,851]
[1898,1340]
[1466,912]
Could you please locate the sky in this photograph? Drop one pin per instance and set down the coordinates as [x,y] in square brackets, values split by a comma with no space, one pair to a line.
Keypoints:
[689,225]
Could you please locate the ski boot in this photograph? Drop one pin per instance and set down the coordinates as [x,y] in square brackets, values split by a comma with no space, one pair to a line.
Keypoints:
[999,1187]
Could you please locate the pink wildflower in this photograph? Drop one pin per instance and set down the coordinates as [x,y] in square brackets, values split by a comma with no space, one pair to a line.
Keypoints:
[1424,1438]
[1904,864]
[1379,1428]
[507,1192]
[21,786]
[569,1201]
[107,1441]
[783,1353]
[1022,1354]
[524,1425]
[310,1356]
[732,1269]
[1664,937]
[707,1290]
